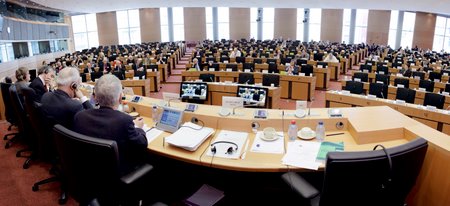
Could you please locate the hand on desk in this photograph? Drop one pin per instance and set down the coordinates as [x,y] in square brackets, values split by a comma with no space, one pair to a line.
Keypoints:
[139,122]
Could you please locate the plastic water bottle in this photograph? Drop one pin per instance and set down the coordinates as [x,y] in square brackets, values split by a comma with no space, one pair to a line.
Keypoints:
[154,114]
[292,131]
[320,132]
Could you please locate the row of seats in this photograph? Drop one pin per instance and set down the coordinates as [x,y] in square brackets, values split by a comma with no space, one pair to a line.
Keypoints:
[247,78]
[272,68]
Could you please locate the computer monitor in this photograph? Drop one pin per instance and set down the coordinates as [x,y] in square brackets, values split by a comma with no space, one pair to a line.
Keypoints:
[194,91]
[253,96]
[170,119]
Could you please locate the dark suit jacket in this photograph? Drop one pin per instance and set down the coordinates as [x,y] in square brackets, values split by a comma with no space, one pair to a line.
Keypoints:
[101,66]
[59,108]
[38,86]
[110,124]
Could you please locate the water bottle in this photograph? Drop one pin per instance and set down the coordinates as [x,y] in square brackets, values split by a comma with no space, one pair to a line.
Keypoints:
[154,114]
[292,131]
[320,132]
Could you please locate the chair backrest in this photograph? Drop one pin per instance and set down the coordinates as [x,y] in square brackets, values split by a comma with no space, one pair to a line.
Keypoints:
[447,87]
[246,78]
[405,94]
[89,164]
[402,81]
[95,75]
[269,79]
[285,60]
[364,77]
[240,59]
[382,68]
[273,68]
[83,77]
[18,110]
[207,77]
[119,75]
[379,90]
[427,85]
[233,67]
[257,61]
[382,78]
[434,99]
[307,69]
[140,74]
[363,67]
[361,178]
[9,113]
[250,66]
[354,87]
[434,75]
[421,75]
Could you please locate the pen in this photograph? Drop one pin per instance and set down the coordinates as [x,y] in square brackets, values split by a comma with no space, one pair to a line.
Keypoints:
[334,134]
[245,149]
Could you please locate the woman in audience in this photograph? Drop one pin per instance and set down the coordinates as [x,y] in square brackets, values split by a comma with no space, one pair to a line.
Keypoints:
[330,58]
[23,79]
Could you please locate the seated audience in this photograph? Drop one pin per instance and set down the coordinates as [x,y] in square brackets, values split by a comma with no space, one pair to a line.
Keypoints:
[23,78]
[44,81]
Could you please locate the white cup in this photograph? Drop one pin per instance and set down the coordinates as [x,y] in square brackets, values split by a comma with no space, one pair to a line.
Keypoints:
[306,132]
[269,133]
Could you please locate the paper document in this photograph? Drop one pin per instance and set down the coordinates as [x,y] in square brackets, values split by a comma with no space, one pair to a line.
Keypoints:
[205,196]
[239,138]
[326,147]
[262,146]
[190,136]
[151,133]
[302,154]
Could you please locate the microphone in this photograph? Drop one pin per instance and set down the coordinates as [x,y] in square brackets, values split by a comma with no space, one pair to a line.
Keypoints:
[246,82]
[212,80]
[309,108]
[234,109]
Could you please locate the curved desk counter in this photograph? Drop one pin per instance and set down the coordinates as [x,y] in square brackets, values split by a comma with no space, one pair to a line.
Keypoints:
[363,128]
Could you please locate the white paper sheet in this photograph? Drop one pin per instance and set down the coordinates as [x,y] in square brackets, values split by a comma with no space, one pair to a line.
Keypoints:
[262,146]
[151,133]
[302,154]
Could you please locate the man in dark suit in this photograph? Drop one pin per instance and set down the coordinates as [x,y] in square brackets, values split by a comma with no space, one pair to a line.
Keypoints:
[108,123]
[105,66]
[59,107]
[42,83]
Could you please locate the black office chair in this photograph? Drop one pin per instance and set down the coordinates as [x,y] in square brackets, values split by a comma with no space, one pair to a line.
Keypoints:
[379,90]
[207,77]
[307,69]
[140,74]
[83,77]
[302,61]
[382,68]
[405,94]
[421,75]
[371,178]
[434,75]
[447,87]
[96,75]
[273,68]
[354,87]
[23,125]
[10,117]
[246,78]
[271,61]
[233,67]
[250,66]
[223,59]
[364,77]
[426,69]
[269,79]
[119,75]
[240,59]
[323,64]
[382,78]
[283,61]
[434,99]
[402,81]
[427,85]
[91,167]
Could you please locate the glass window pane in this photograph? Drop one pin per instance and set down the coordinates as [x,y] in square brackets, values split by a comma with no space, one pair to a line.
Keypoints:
[393,29]
[208,14]
[361,25]
[268,23]
[93,39]
[178,15]
[409,20]
[224,31]
[346,25]
[224,22]
[209,23]
[78,24]
[81,41]
[122,19]
[133,18]
[447,43]
[315,17]
[361,17]
[135,35]
[124,37]
[178,32]
[300,24]
[91,22]
[164,33]
[209,31]
[253,23]
[163,16]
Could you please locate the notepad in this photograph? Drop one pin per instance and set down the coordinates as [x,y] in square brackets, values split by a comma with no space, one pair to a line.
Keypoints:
[326,147]
[190,136]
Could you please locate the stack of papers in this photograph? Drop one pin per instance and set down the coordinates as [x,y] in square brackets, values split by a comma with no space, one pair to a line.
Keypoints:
[273,147]
[151,133]
[239,138]
[190,136]
[302,154]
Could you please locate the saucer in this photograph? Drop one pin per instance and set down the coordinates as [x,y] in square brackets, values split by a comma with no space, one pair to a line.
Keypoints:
[267,139]
[300,113]
[313,134]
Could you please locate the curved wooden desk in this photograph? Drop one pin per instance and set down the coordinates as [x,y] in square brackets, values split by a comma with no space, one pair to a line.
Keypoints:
[364,127]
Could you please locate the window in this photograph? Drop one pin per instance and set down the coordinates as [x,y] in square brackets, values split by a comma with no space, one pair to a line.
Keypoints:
[223,22]
[6,52]
[393,29]
[85,31]
[128,25]
[164,20]
[178,23]
[300,23]
[268,23]
[442,34]
[209,23]
[315,17]
[254,23]
[409,20]
[361,26]
[346,25]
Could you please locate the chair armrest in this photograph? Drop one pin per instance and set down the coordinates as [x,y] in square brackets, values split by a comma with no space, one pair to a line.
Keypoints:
[136,174]
[300,185]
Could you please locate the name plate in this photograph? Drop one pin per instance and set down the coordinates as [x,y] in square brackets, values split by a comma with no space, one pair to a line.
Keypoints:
[400,86]
[211,69]
[399,67]
[319,66]
[258,84]
[228,82]
[346,92]
[398,101]
[301,74]
[229,70]
[265,71]
[431,108]
[232,102]
[437,80]
[380,82]
[413,69]
[416,77]
[371,96]
[399,75]
[226,62]
[422,89]
[134,78]
[370,64]
[365,71]
[381,72]
[357,80]
[445,93]
[412,64]
[445,74]
[247,70]
[387,61]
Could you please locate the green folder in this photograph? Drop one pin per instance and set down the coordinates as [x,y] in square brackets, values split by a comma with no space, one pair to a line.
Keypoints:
[326,147]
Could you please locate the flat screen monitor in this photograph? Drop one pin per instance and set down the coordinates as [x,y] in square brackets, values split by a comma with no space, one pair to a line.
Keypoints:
[253,96]
[170,119]
[194,90]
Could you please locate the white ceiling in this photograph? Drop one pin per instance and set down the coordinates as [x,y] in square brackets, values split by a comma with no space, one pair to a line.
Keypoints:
[95,6]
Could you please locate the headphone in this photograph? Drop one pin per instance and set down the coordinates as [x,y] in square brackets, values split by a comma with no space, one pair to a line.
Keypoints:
[230,150]
[389,178]
[74,86]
